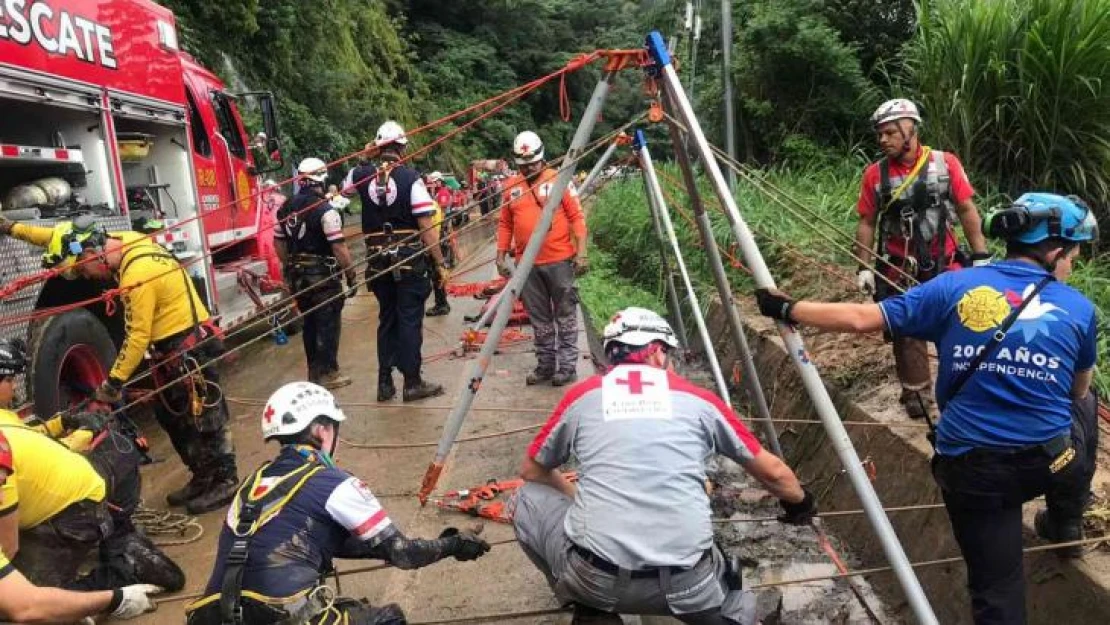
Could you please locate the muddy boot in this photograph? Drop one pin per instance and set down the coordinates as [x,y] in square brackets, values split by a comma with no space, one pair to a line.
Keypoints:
[438,310]
[334,380]
[196,486]
[386,390]
[1055,531]
[218,495]
[421,390]
[585,615]
[563,378]
[539,376]
[915,403]
[150,565]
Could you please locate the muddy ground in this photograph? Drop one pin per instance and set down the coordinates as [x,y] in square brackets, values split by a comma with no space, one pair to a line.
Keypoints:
[504,581]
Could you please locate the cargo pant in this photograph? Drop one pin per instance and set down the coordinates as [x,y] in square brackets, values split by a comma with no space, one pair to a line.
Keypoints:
[551,299]
[911,359]
[983,493]
[321,303]
[697,595]
[203,442]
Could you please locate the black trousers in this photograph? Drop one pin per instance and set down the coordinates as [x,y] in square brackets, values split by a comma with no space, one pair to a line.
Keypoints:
[983,492]
[400,321]
[322,326]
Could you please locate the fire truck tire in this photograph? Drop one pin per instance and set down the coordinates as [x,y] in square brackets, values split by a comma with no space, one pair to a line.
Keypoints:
[71,355]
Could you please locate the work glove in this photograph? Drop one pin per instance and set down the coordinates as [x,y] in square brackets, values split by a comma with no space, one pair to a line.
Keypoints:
[464,545]
[865,280]
[136,601]
[91,421]
[443,274]
[6,225]
[981,259]
[774,304]
[800,513]
[503,269]
[581,265]
[110,392]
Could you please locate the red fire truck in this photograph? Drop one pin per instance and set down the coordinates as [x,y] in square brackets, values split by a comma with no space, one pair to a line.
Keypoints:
[102,113]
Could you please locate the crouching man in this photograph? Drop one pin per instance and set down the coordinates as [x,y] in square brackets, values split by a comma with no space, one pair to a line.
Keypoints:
[634,535]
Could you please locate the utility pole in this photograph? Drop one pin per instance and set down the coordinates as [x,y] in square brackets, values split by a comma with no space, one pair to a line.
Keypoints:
[726,76]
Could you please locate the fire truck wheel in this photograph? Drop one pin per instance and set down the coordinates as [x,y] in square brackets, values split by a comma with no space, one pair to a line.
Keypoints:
[71,356]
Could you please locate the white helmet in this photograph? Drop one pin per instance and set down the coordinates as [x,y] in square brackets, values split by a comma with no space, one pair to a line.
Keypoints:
[638,327]
[294,406]
[527,148]
[313,169]
[893,110]
[390,132]
[435,176]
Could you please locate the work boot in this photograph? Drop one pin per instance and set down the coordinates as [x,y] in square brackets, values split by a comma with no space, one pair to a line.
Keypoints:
[438,310]
[333,380]
[539,376]
[196,486]
[1054,531]
[915,403]
[563,378]
[386,390]
[150,565]
[218,495]
[586,615]
[421,390]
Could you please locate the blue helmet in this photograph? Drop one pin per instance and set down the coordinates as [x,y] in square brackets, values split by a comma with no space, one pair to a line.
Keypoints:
[1035,217]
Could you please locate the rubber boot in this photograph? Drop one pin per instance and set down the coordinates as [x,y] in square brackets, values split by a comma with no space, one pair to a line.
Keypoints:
[586,615]
[1055,531]
[196,486]
[563,378]
[420,390]
[218,495]
[149,565]
[438,310]
[539,377]
[334,380]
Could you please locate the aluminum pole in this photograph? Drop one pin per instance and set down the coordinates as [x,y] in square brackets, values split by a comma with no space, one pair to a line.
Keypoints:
[838,436]
[659,207]
[726,76]
[477,368]
[724,291]
[674,304]
[596,171]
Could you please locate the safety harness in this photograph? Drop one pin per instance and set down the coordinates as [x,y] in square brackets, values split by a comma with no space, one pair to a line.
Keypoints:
[919,210]
[391,249]
[252,512]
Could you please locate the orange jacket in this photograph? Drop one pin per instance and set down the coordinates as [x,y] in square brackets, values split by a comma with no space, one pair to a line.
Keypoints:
[523,205]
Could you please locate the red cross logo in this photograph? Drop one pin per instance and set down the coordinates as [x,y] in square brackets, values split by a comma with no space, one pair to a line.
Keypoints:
[635,383]
[269,414]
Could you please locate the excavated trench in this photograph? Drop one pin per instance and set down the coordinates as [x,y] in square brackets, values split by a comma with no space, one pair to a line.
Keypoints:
[898,457]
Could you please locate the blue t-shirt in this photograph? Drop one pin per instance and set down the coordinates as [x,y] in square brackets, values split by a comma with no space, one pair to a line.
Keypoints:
[1021,395]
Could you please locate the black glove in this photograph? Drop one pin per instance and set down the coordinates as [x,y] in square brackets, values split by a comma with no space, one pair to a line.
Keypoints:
[774,304]
[110,392]
[800,513]
[91,421]
[464,545]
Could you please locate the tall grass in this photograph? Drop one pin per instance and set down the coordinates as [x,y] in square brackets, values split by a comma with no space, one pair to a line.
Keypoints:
[1020,89]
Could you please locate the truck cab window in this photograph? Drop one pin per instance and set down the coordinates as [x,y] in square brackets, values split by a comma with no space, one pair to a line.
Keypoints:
[230,131]
[201,145]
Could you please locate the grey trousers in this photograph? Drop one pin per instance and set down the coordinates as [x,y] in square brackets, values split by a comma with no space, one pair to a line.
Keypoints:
[697,595]
[550,297]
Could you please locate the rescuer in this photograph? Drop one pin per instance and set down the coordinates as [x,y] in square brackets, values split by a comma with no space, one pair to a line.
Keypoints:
[633,536]
[1017,351]
[908,204]
[314,255]
[398,225]
[298,512]
[162,313]
[21,601]
[441,307]
[549,294]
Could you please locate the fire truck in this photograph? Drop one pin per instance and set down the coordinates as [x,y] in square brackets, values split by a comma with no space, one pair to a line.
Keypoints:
[102,113]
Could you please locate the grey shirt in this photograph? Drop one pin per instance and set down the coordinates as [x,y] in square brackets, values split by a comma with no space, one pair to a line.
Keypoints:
[641,436]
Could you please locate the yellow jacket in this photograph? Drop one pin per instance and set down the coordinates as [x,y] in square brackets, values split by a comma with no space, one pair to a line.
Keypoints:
[156,294]
[47,478]
[78,441]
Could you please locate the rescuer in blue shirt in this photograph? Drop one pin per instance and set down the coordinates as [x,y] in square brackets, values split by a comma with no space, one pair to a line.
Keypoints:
[1016,349]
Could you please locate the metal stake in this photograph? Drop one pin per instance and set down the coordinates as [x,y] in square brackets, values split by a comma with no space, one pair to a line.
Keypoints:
[724,291]
[659,208]
[674,304]
[838,436]
[477,368]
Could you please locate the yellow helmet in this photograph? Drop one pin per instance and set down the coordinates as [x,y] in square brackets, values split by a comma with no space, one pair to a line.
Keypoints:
[70,239]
